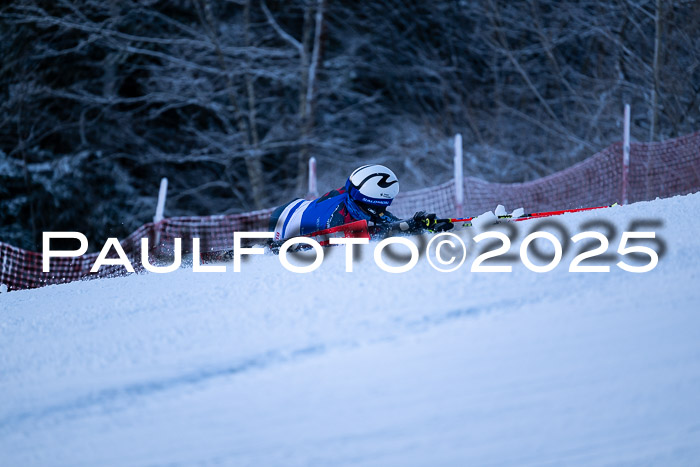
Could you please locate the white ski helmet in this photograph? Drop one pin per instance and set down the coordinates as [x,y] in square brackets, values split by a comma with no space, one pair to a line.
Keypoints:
[375,185]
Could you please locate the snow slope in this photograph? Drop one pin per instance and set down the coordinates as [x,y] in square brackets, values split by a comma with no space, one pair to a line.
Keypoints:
[268,367]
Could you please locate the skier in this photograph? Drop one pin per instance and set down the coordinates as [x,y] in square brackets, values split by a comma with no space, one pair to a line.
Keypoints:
[366,195]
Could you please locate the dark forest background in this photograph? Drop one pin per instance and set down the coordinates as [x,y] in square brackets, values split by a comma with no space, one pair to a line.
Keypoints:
[99,99]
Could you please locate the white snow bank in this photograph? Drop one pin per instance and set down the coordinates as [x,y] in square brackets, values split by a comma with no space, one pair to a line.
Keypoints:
[267,367]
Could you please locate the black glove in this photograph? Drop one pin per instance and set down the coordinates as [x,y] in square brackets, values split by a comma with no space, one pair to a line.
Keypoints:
[442,225]
[424,221]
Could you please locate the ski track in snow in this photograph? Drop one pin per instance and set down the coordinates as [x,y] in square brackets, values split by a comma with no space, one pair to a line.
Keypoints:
[267,367]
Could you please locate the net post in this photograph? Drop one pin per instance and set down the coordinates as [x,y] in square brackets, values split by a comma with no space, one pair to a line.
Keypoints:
[458,176]
[626,154]
[160,208]
[313,190]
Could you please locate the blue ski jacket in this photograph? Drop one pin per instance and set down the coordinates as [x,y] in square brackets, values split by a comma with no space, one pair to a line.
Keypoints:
[303,217]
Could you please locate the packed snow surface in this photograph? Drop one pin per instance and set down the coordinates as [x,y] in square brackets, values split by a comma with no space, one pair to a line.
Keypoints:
[269,367]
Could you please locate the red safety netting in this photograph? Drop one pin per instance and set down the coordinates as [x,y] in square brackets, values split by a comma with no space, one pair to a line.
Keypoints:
[214,232]
[656,170]
[664,169]
[661,170]
[22,269]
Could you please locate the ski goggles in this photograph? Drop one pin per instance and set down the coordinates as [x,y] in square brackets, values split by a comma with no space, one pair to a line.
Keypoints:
[373,210]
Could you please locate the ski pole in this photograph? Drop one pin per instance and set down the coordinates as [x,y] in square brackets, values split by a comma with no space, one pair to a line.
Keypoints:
[525,216]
